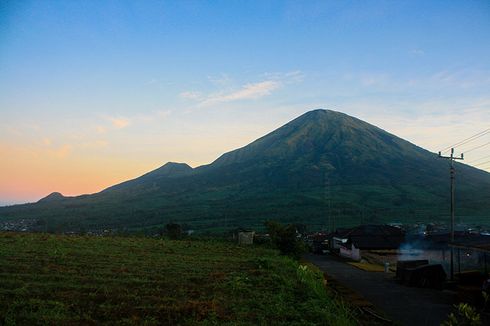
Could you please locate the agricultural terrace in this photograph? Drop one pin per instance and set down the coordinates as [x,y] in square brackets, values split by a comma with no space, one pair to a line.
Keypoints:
[54,279]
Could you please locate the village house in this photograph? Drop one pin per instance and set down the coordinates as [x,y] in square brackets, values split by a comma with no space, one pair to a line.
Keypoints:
[351,242]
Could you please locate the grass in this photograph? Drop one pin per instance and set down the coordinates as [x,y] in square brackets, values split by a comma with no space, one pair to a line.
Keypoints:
[54,279]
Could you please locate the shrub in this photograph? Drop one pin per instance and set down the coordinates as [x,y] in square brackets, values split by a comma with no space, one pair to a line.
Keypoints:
[466,315]
[284,238]
[173,231]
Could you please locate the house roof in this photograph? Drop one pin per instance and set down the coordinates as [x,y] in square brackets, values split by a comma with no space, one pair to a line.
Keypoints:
[481,243]
[444,236]
[374,236]
[370,229]
[240,229]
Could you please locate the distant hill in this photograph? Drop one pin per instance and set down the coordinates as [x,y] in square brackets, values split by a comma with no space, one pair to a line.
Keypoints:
[324,169]
[54,196]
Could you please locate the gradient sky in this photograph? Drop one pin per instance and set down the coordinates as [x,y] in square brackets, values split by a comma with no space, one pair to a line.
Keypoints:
[93,93]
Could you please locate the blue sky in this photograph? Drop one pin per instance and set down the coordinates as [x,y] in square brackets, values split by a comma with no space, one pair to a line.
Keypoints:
[108,90]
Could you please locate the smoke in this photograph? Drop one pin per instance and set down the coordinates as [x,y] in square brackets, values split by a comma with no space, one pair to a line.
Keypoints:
[416,249]
[410,251]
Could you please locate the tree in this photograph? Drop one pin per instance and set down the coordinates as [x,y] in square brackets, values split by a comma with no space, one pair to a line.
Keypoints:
[284,238]
[300,228]
[173,231]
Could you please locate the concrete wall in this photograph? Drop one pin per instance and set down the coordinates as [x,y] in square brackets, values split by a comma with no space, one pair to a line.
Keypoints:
[246,238]
[352,253]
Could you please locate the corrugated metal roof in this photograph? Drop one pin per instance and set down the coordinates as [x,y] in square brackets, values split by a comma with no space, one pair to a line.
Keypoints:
[481,243]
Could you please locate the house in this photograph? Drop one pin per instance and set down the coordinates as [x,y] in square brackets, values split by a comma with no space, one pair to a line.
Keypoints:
[318,242]
[244,236]
[350,242]
[472,252]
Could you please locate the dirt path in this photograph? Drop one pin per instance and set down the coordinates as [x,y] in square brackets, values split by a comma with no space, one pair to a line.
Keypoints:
[404,305]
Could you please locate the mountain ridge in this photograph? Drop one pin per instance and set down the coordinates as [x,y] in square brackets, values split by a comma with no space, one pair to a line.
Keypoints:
[287,175]
[52,197]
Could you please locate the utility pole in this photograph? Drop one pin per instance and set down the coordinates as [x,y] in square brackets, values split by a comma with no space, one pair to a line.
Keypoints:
[452,174]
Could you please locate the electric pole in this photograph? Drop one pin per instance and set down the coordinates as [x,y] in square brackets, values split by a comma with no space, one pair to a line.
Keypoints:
[452,175]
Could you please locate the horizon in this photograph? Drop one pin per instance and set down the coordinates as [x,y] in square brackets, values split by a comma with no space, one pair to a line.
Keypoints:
[200,165]
[96,94]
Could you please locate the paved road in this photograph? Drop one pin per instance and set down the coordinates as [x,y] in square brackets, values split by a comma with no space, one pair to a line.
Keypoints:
[403,304]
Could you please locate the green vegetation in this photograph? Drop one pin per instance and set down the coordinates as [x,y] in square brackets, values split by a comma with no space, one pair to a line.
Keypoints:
[322,166]
[173,231]
[466,315]
[284,238]
[52,279]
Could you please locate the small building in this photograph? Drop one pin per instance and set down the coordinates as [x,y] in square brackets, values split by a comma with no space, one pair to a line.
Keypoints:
[350,252]
[472,252]
[350,242]
[244,236]
[318,242]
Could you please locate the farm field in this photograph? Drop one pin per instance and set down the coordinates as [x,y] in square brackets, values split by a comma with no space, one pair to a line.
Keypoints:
[55,279]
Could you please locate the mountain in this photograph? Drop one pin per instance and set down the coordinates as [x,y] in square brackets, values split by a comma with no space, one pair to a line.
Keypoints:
[168,170]
[54,196]
[323,169]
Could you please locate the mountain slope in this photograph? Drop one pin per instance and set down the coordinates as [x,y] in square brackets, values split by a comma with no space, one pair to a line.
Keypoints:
[326,141]
[324,168]
[168,170]
[54,196]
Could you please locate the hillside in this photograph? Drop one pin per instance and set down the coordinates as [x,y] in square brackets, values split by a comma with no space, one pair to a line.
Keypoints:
[69,280]
[324,169]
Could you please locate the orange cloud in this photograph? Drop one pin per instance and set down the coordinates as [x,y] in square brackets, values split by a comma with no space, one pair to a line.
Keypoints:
[120,122]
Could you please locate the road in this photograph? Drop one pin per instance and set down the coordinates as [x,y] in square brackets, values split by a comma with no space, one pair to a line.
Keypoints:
[403,304]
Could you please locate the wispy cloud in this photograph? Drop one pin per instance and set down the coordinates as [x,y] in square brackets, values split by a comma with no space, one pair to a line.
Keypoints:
[101,129]
[444,79]
[47,141]
[427,123]
[220,80]
[190,95]
[120,122]
[162,114]
[153,116]
[464,78]
[96,144]
[290,77]
[270,83]
[152,81]
[63,151]
[374,79]
[247,92]
[417,52]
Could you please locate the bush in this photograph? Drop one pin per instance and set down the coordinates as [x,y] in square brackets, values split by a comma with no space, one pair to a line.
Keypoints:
[173,231]
[466,315]
[284,238]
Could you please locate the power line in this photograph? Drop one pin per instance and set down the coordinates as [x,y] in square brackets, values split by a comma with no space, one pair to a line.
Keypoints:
[470,150]
[481,158]
[482,163]
[467,140]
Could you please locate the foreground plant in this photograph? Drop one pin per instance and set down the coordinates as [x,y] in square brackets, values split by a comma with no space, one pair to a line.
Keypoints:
[466,315]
